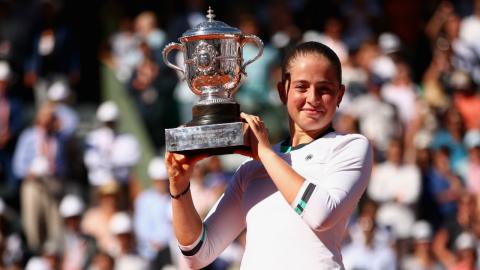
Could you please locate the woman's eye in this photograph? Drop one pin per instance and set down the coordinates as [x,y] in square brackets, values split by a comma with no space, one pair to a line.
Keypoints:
[325,90]
[300,87]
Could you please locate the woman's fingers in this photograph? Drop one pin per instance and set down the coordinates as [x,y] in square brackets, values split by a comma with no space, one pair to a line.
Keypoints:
[255,123]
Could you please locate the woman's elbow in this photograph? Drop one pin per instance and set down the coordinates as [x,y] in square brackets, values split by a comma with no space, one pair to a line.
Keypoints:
[321,223]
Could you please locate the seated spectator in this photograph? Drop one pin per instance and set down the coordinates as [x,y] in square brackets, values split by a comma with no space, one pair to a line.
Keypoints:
[377,118]
[444,184]
[109,154]
[463,256]
[102,261]
[57,94]
[472,142]
[396,186]
[451,135]
[422,257]
[53,53]
[96,220]
[152,221]
[125,253]
[11,245]
[11,122]
[402,92]
[78,248]
[372,252]
[49,259]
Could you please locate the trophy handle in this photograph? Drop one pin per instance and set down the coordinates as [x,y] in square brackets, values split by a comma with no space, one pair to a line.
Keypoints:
[172,46]
[259,43]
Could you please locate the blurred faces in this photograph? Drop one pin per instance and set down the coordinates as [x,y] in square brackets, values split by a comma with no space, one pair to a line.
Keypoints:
[395,152]
[161,186]
[311,93]
[47,120]
[441,160]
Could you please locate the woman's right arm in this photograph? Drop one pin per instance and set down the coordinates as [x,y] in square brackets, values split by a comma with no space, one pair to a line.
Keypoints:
[186,221]
[201,243]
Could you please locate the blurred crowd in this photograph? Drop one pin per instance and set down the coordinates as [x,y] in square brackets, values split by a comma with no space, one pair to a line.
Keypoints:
[70,199]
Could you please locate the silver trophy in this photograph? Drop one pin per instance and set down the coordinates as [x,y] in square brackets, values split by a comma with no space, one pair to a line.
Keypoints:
[214,66]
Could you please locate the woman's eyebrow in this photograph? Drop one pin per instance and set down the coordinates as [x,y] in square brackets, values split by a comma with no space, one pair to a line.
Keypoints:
[300,81]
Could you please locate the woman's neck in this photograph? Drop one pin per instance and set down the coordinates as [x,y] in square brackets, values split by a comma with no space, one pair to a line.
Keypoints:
[299,136]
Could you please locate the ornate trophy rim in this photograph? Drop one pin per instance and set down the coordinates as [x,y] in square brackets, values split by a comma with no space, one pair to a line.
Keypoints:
[211,27]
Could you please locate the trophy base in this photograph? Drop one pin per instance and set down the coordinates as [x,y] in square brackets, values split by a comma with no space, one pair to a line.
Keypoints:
[217,113]
[216,139]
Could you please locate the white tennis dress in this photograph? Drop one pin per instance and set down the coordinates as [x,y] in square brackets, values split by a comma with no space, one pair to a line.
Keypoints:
[304,235]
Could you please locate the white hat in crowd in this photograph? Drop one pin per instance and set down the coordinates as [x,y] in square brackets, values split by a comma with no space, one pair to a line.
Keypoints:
[389,42]
[58,91]
[398,217]
[157,169]
[4,71]
[71,206]
[472,138]
[107,112]
[120,223]
[422,231]
[37,263]
[465,241]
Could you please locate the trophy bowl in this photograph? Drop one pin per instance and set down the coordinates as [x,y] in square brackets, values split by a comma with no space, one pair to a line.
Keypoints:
[214,66]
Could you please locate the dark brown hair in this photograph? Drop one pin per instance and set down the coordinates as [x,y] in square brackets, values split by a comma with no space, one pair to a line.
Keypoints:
[307,48]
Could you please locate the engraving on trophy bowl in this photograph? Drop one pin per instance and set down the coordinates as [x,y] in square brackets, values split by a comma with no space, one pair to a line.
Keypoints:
[204,58]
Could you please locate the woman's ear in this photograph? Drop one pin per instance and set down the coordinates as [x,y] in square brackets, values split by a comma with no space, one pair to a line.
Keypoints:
[341,92]
[282,93]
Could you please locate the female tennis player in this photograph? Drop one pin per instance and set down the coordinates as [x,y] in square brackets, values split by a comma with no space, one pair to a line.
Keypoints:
[295,198]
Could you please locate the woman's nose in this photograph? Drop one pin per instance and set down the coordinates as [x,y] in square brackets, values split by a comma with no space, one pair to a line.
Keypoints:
[313,96]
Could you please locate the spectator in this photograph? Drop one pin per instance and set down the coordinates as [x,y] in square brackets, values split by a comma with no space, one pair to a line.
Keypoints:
[445,185]
[422,257]
[402,92]
[10,126]
[472,142]
[446,239]
[49,258]
[110,154]
[125,254]
[151,87]
[152,221]
[53,52]
[96,220]
[395,181]
[377,118]
[125,52]
[78,249]
[370,252]
[147,30]
[464,256]
[11,244]
[57,94]
[253,94]
[102,261]
[450,136]
[466,99]
[39,160]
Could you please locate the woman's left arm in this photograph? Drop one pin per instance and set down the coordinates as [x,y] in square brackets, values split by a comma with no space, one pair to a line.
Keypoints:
[287,180]
[343,183]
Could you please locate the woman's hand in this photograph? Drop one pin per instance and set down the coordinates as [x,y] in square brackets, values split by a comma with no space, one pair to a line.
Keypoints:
[259,141]
[180,168]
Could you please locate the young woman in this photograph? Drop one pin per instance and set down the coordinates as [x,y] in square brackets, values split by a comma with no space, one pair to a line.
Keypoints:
[294,198]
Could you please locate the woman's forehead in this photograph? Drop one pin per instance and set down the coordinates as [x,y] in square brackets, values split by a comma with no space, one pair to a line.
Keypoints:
[312,65]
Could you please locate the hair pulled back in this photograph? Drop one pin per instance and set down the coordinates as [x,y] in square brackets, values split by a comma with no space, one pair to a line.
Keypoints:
[311,48]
